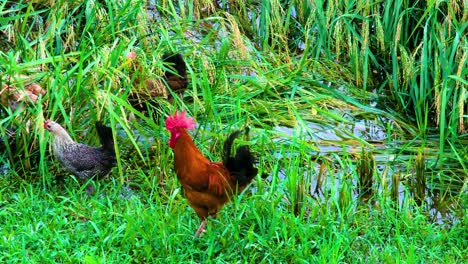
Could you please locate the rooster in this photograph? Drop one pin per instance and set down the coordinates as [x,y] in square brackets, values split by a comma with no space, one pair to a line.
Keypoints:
[207,185]
[79,159]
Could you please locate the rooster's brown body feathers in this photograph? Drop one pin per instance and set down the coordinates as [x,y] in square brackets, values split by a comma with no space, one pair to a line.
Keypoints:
[209,185]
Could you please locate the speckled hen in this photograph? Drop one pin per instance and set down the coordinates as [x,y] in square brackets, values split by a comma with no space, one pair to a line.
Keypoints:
[82,160]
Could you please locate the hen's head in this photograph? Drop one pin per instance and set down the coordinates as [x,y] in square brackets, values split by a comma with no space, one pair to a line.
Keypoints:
[52,126]
[131,55]
[176,122]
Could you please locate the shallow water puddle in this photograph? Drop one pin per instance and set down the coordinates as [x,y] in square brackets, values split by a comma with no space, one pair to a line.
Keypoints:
[343,145]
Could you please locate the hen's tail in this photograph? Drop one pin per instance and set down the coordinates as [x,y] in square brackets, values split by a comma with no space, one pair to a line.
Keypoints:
[241,165]
[179,73]
[106,138]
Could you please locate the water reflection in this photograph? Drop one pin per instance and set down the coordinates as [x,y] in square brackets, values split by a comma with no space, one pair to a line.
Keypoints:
[324,174]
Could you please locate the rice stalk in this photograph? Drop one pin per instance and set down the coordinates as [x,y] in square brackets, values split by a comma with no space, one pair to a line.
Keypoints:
[420,183]
[365,171]
[394,190]
[236,37]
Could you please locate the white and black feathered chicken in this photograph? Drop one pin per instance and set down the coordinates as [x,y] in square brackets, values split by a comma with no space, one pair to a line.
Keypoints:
[82,160]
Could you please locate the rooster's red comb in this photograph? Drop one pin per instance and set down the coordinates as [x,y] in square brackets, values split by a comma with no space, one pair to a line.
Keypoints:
[179,120]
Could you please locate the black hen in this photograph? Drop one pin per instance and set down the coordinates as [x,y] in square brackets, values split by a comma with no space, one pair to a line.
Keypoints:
[177,79]
[146,88]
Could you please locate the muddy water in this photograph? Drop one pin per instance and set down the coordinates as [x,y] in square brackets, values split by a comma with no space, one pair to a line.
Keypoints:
[333,143]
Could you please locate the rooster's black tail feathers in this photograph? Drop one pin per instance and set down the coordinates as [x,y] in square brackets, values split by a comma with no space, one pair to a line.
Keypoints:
[241,165]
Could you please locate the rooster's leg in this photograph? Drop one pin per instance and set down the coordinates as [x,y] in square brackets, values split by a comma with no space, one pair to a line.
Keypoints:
[201,228]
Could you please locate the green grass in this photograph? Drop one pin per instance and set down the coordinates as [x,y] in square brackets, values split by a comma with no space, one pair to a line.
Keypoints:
[399,66]
[65,225]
